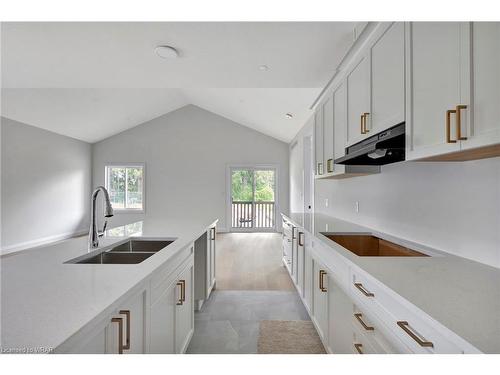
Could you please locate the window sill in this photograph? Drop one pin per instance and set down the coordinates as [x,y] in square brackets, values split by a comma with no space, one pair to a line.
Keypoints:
[128,211]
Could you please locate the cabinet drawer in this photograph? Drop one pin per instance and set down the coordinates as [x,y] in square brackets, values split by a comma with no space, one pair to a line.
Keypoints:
[415,330]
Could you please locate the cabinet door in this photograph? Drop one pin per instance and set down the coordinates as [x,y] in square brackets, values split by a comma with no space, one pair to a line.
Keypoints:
[132,313]
[358,99]
[388,79]
[162,332]
[211,260]
[340,312]
[320,300]
[328,135]
[293,268]
[300,261]
[184,313]
[485,127]
[439,74]
[339,125]
[308,280]
[99,342]
[318,141]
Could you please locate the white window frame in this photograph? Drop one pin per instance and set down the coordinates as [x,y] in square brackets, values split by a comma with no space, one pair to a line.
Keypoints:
[128,165]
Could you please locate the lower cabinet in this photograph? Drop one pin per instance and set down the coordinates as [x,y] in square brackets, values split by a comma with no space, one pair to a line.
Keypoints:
[204,263]
[308,279]
[172,315]
[300,261]
[320,300]
[340,313]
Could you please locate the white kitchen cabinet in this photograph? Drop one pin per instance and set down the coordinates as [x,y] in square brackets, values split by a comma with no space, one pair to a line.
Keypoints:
[328,155]
[340,312]
[294,265]
[438,80]
[339,126]
[308,278]
[358,100]
[484,127]
[204,263]
[102,340]
[318,141]
[300,260]
[172,312]
[320,300]
[184,313]
[387,78]
[162,337]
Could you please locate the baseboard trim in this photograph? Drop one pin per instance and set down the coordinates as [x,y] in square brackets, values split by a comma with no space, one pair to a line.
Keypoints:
[29,245]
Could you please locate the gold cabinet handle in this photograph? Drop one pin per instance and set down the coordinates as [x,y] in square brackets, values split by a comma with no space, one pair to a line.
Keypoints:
[321,282]
[362,123]
[359,348]
[120,333]
[293,233]
[361,288]
[320,168]
[212,234]
[365,115]
[301,238]
[182,284]
[127,340]
[448,126]
[358,316]
[459,121]
[329,166]
[421,341]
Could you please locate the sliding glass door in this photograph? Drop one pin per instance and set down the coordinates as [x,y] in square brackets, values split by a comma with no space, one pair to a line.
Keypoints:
[253,199]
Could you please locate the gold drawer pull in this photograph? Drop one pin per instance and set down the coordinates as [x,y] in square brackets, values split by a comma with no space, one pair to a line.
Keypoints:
[301,238]
[182,284]
[329,166]
[120,333]
[360,320]
[362,124]
[363,290]
[459,121]
[127,314]
[320,168]
[321,281]
[421,341]
[358,348]
[212,234]
[448,126]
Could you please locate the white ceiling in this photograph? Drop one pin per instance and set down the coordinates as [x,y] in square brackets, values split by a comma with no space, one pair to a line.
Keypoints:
[88,80]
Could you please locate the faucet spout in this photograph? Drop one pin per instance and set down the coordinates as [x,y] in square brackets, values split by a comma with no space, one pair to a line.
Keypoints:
[93,240]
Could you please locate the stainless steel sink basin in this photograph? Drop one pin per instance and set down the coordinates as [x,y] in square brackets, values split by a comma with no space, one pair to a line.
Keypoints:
[149,246]
[130,252]
[116,258]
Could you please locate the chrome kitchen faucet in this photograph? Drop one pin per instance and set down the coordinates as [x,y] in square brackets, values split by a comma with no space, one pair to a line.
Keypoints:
[93,233]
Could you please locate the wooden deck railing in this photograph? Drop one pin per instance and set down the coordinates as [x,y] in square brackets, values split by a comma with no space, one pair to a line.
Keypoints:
[252,214]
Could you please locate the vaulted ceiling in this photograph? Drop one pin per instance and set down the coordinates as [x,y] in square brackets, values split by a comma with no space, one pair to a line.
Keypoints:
[92,80]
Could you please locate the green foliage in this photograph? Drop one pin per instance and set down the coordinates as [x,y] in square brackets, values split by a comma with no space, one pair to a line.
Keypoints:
[242,185]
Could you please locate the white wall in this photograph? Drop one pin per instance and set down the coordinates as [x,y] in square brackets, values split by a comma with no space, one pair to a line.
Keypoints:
[454,207]
[45,185]
[186,153]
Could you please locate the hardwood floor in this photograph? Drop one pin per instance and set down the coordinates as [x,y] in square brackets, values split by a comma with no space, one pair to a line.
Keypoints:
[251,261]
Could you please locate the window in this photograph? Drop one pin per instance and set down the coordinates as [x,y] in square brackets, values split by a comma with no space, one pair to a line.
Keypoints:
[125,185]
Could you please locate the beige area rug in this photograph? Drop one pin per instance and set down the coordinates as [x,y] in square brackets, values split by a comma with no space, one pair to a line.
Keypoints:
[288,337]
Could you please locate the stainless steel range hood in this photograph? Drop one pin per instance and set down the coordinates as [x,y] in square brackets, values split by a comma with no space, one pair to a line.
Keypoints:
[383,148]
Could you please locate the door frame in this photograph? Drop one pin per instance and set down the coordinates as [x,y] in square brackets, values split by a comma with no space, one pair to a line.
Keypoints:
[231,167]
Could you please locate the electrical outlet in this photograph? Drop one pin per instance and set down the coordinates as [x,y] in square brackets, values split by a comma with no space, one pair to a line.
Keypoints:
[356,206]
[326,202]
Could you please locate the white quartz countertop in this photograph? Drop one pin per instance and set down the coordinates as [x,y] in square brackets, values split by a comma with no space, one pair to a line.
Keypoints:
[45,301]
[461,294]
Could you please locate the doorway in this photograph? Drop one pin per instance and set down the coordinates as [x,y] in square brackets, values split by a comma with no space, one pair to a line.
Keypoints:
[252,198]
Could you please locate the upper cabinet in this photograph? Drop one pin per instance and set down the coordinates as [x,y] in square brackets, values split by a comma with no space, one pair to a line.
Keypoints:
[318,141]
[328,134]
[438,86]
[453,91]
[358,100]
[485,123]
[387,79]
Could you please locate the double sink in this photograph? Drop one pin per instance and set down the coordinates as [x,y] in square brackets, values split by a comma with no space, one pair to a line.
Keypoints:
[129,252]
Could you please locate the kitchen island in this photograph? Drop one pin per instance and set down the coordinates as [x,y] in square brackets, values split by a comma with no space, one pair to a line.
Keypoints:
[49,305]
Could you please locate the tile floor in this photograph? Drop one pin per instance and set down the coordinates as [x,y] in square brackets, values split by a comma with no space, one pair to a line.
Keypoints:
[229,321]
